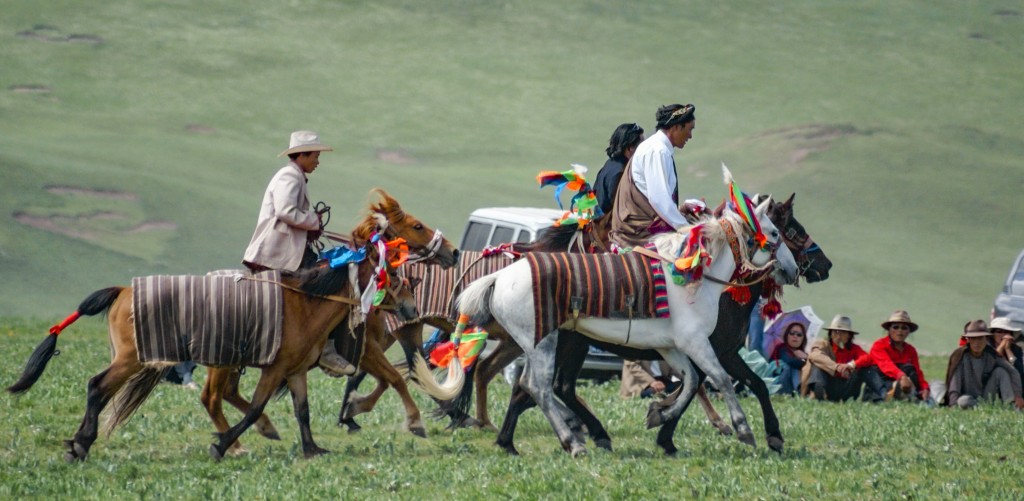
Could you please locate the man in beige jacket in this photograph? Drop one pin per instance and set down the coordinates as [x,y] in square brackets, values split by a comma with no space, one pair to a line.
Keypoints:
[287,225]
[838,368]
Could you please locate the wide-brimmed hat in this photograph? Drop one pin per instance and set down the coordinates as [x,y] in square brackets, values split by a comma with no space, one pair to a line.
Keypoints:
[976,328]
[841,323]
[899,317]
[1005,324]
[303,141]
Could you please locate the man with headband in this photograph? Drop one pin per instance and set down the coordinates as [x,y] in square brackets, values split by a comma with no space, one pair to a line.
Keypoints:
[647,200]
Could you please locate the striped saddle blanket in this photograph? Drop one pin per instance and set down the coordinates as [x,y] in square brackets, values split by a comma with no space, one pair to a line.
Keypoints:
[216,319]
[437,286]
[619,286]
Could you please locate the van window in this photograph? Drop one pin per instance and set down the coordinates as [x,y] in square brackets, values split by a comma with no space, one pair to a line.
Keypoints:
[524,237]
[502,235]
[476,236]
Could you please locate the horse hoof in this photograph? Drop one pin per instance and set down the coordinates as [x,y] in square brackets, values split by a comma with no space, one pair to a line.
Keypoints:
[237,450]
[269,432]
[488,427]
[468,422]
[775,444]
[419,431]
[654,418]
[604,443]
[578,451]
[669,448]
[215,452]
[509,448]
[723,429]
[314,452]
[747,438]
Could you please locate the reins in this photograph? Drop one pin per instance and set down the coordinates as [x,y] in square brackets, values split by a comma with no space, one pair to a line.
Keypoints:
[330,297]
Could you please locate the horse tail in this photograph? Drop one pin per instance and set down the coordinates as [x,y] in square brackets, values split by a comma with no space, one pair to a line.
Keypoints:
[475,301]
[97,302]
[132,395]
[421,376]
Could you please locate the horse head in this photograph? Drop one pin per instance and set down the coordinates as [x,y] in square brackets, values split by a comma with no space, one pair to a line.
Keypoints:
[424,242]
[813,263]
[786,270]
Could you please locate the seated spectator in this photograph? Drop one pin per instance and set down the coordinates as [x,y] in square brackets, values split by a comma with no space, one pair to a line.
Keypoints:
[898,361]
[644,379]
[789,357]
[838,368]
[181,374]
[1005,336]
[977,372]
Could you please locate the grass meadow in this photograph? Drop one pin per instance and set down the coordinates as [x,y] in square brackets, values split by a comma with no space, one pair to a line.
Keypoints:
[887,451]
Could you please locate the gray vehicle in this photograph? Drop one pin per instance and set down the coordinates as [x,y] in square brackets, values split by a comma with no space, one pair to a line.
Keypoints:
[1010,301]
[497,225]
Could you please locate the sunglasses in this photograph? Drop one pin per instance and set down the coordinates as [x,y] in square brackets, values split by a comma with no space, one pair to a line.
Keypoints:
[795,333]
[899,327]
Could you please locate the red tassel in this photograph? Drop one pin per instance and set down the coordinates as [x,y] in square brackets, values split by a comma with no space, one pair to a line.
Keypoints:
[739,294]
[771,309]
[67,321]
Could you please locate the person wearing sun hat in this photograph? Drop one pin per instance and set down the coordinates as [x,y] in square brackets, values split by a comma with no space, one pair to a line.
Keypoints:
[838,368]
[1005,334]
[287,225]
[898,361]
[977,372]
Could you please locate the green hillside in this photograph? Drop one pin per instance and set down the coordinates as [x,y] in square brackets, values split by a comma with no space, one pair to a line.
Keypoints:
[137,137]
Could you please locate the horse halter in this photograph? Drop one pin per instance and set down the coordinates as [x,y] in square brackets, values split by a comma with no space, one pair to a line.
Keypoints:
[430,250]
[801,246]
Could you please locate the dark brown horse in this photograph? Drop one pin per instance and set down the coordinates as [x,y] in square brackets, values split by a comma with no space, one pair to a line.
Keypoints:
[311,307]
[726,339]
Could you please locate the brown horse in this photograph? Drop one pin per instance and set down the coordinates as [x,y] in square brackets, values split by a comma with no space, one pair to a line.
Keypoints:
[311,308]
[429,246]
[433,302]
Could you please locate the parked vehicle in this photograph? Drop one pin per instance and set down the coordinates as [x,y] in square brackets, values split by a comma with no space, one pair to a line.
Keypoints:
[1010,301]
[498,225]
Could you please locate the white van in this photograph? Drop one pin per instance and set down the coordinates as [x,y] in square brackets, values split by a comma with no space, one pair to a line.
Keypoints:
[498,225]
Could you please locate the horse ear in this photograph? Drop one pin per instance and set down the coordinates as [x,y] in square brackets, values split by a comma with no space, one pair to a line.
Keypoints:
[762,209]
[387,202]
[413,282]
[382,220]
[789,201]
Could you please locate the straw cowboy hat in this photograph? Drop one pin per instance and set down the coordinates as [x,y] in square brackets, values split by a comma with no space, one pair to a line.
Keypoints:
[841,323]
[899,317]
[1005,324]
[976,328]
[303,141]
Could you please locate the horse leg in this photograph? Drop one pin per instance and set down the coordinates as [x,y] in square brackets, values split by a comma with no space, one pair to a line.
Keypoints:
[538,380]
[212,398]
[572,352]
[270,381]
[704,356]
[742,372]
[518,403]
[668,411]
[263,425]
[375,363]
[350,387]
[713,417]
[300,402]
[102,387]
[486,369]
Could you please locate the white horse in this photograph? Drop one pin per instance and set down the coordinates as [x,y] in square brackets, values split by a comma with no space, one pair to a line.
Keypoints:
[505,300]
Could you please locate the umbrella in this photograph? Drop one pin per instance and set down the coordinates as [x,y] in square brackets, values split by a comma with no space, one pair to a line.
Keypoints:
[773,333]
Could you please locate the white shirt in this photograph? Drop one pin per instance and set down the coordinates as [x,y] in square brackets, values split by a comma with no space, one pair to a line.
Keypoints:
[654,174]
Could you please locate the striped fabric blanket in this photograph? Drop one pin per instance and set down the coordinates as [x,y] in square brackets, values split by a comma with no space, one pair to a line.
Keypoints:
[616,286]
[434,293]
[217,319]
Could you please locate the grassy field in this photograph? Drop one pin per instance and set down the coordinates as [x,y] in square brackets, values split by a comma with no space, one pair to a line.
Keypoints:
[136,137]
[887,451]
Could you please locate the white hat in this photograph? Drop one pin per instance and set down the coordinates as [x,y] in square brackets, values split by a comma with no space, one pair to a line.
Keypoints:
[303,141]
[1003,323]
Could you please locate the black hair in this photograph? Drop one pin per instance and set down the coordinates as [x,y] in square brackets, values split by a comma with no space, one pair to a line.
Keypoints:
[625,135]
[673,114]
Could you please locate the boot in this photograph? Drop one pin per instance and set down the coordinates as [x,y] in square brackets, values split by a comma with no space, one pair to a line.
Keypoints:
[333,364]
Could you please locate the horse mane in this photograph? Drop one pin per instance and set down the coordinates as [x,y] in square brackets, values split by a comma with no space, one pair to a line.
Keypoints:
[387,208]
[320,280]
[670,244]
[551,239]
